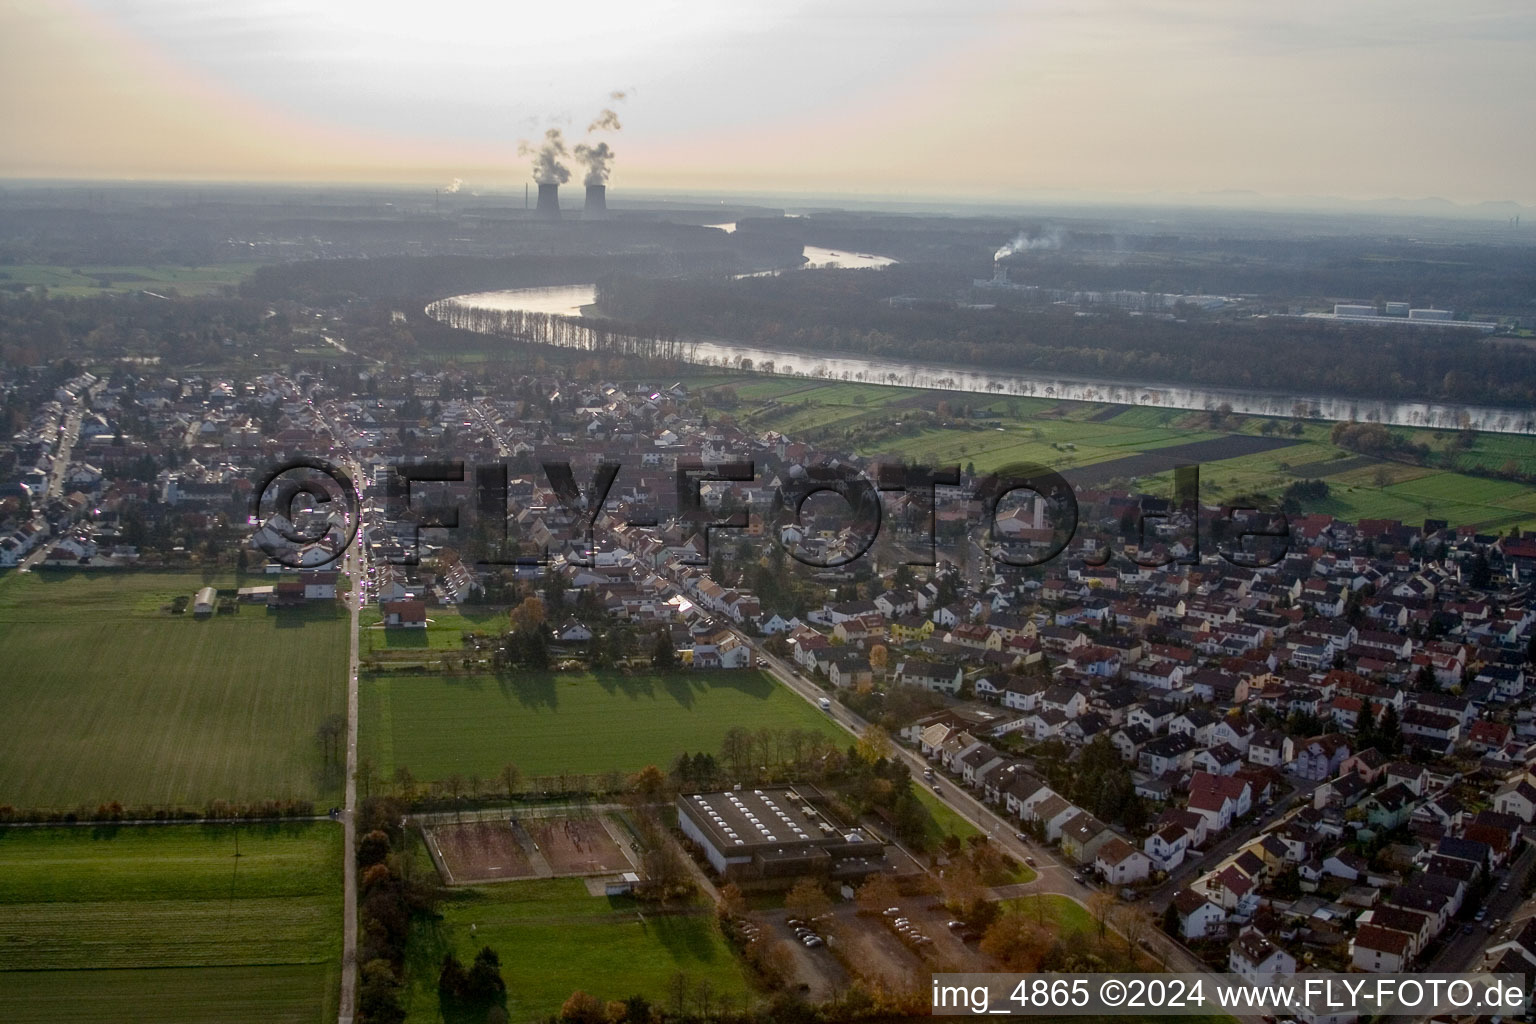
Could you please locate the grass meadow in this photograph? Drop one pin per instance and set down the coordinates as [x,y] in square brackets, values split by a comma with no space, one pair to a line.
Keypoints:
[579,722]
[1064,435]
[164,922]
[107,697]
[553,938]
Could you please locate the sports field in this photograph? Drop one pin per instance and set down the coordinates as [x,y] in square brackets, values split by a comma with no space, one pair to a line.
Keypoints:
[547,723]
[107,697]
[553,937]
[164,922]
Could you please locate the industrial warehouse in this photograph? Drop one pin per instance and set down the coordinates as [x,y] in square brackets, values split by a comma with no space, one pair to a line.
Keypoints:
[765,834]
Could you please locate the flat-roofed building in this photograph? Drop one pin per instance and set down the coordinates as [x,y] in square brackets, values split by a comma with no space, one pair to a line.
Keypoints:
[776,833]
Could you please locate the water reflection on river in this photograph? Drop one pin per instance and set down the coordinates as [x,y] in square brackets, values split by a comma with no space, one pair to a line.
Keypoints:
[568,300]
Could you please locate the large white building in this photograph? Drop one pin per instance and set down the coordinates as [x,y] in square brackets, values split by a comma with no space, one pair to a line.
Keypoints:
[775,833]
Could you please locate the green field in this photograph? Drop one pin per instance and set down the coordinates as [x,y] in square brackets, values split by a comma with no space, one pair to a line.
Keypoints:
[93,280]
[1367,488]
[554,938]
[547,723]
[165,923]
[875,420]
[107,697]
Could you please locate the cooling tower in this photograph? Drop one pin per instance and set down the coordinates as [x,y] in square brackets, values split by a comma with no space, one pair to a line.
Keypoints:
[549,200]
[597,203]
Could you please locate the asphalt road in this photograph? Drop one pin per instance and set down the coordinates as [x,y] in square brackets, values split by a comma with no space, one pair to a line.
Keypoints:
[71,432]
[1465,951]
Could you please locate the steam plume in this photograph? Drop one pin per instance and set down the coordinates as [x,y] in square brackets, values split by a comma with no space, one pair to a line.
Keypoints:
[454,185]
[547,168]
[599,161]
[607,121]
[1023,242]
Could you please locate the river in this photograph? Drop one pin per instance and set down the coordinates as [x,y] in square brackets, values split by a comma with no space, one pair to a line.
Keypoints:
[568,300]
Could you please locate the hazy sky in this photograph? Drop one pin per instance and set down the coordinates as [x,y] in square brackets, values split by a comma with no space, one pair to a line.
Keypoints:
[922,97]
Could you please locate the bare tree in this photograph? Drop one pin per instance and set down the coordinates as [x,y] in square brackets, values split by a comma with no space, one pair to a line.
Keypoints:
[1101,904]
[1134,924]
[736,750]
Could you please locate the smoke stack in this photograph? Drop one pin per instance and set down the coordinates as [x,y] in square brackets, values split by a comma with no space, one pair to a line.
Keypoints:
[597,203]
[549,200]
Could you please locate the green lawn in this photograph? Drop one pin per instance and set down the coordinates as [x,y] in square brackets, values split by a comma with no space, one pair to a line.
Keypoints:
[444,633]
[944,821]
[107,697]
[547,723]
[554,938]
[1060,913]
[167,916]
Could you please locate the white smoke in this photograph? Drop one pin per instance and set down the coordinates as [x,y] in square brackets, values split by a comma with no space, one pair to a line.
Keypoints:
[606,121]
[598,157]
[454,185]
[599,161]
[1024,242]
[547,168]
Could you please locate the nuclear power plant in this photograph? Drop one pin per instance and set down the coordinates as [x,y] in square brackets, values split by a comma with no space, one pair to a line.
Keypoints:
[550,169]
[549,200]
[597,203]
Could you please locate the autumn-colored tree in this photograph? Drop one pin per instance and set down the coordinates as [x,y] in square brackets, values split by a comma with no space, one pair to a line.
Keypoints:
[732,903]
[529,615]
[879,659]
[649,783]
[807,900]
[875,743]
[962,886]
[1017,941]
[581,1008]
[375,875]
[773,960]
[876,894]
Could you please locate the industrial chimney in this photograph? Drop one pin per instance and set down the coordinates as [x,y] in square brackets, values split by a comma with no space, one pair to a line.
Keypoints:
[597,203]
[549,200]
